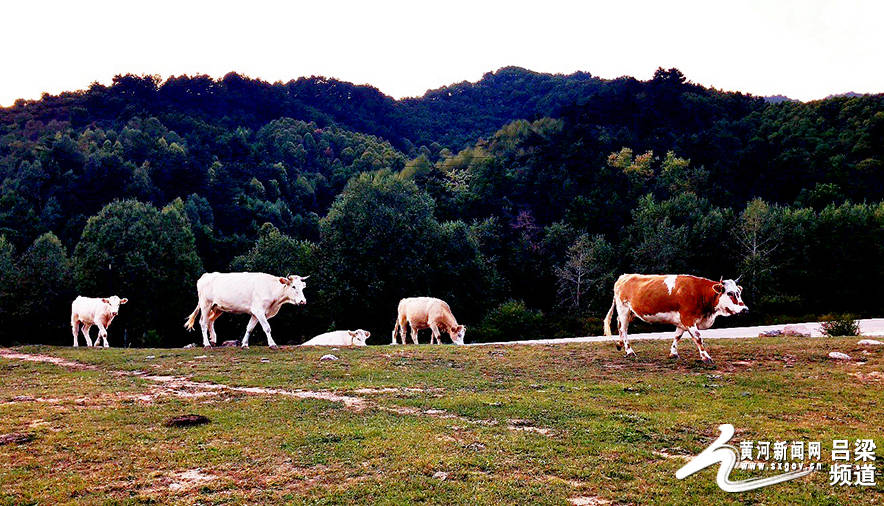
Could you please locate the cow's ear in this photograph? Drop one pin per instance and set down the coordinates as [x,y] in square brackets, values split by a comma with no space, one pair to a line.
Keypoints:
[352,333]
[739,288]
[123,301]
[367,334]
[285,281]
[105,301]
[718,287]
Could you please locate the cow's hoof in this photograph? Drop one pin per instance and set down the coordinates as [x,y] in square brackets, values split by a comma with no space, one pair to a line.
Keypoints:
[673,356]
[245,346]
[274,347]
[708,360]
[619,346]
[630,354]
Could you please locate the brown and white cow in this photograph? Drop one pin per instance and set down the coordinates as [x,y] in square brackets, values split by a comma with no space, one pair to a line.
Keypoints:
[255,293]
[427,312]
[94,311]
[690,303]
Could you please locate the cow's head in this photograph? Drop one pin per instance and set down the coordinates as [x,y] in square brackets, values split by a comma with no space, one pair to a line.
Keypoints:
[114,304]
[294,289]
[729,299]
[457,334]
[359,336]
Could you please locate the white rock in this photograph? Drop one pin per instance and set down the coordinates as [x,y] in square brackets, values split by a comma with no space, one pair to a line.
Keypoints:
[201,356]
[872,342]
[440,475]
[150,357]
[837,355]
[328,357]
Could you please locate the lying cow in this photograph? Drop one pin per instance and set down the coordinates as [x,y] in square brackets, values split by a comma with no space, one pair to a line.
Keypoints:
[91,311]
[688,302]
[255,293]
[427,312]
[340,338]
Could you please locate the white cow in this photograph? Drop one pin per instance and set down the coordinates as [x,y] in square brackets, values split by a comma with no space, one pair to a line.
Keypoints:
[255,293]
[91,311]
[340,338]
[427,313]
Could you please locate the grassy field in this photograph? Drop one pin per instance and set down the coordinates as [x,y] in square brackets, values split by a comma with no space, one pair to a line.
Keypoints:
[444,424]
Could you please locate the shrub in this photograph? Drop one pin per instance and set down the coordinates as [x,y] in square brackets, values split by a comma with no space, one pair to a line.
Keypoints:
[509,321]
[840,325]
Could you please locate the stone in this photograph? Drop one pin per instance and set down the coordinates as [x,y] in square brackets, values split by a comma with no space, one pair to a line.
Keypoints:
[869,342]
[837,355]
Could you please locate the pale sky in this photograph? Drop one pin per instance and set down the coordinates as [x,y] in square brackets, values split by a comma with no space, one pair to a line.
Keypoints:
[803,49]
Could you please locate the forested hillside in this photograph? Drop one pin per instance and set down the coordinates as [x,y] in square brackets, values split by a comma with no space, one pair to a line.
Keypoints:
[518,199]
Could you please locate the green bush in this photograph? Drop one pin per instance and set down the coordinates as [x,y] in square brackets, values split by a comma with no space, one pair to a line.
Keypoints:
[840,325]
[510,321]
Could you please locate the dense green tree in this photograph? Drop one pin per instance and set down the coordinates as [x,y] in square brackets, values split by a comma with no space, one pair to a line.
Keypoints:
[377,246]
[45,287]
[134,250]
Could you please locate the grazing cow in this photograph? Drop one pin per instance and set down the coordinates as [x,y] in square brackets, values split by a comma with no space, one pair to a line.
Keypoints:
[427,312]
[91,311]
[340,338]
[255,293]
[688,302]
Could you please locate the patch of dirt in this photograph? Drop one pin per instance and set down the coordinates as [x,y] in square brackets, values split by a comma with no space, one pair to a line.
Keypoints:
[526,426]
[28,398]
[869,377]
[192,478]
[5,353]
[588,500]
[666,455]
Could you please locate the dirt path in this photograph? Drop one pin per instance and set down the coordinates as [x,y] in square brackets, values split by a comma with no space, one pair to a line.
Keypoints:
[179,386]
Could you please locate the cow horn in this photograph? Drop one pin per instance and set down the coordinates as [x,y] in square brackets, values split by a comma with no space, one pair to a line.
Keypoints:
[738,278]
[305,277]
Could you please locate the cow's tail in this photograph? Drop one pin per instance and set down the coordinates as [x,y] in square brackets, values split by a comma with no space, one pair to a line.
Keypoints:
[608,318]
[190,320]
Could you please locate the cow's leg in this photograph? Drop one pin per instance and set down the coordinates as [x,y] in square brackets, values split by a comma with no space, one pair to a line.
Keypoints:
[213,338]
[624,316]
[214,314]
[695,334]
[399,328]
[262,319]
[403,331]
[413,333]
[437,337]
[249,327]
[85,330]
[102,334]
[673,350]
[75,329]
[204,324]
